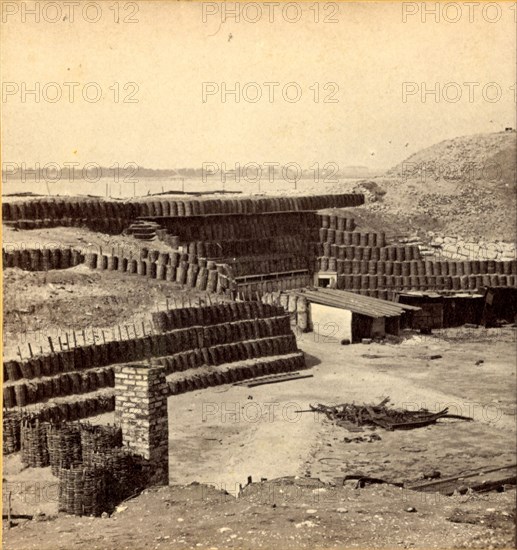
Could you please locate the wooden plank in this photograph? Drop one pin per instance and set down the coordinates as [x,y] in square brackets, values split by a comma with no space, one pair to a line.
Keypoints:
[481,481]
[226,214]
[269,276]
[267,377]
[277,380]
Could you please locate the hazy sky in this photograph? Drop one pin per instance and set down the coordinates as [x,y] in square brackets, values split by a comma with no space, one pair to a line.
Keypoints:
[369,53]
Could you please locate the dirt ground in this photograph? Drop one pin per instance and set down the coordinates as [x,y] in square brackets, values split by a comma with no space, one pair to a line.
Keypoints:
[257,432]
[304,515]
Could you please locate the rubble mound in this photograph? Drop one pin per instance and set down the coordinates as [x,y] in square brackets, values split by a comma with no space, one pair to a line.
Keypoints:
[489,157]
[463,187]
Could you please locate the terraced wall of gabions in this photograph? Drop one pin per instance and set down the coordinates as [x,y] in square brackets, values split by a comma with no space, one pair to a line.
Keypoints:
[365,263]
[199,346]
[42,259]
[114,216]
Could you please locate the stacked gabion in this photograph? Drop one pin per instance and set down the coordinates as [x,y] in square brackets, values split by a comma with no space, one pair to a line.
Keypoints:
[123,473]
[82,490]
[11,433]
[33,442]
[102,448]
[97,439]
[64,446]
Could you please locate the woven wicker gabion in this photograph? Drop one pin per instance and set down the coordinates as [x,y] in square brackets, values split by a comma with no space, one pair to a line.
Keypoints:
[123,473]
[99,439]
[64,446]
[11,433]
[82,490]
[33,443]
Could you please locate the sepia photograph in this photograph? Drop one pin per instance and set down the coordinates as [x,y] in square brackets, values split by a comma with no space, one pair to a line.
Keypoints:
[259,274]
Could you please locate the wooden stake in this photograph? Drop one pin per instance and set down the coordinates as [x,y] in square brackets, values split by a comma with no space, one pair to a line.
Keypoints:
[30,349]
[143,328]
[75,339]
[127,332]
[9,524]
[167,304]
[67,341]
[20,352]
[84,337]
[119,333]
[103,337]
[51,344]
[93,336]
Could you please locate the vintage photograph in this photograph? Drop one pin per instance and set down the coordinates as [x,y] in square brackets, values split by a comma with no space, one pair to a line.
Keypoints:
[259,274]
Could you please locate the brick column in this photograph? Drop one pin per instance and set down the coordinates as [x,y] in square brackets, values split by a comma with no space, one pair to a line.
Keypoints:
[141,412]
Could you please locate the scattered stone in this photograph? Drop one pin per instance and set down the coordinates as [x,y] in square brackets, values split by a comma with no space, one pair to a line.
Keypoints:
[432,474]
[304,524]
[410,509]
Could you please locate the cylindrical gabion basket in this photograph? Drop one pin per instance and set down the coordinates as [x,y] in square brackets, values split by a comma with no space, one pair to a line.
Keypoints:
[33,443]
[123,473]
[98,439]
[64,446]
[11,433]
[82,490]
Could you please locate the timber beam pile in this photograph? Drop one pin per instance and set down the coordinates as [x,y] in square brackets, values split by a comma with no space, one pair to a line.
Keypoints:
[351,415]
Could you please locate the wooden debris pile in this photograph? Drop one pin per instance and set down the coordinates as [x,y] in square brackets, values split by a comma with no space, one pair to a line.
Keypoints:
[352,416]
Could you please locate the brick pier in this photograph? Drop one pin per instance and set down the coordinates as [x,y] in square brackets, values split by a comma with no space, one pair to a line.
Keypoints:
[141,412]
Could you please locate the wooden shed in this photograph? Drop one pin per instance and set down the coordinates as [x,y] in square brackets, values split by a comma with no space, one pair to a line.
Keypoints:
[444,310]
[340,315]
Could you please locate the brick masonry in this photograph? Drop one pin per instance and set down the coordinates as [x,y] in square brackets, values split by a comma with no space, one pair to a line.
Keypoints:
[141,411]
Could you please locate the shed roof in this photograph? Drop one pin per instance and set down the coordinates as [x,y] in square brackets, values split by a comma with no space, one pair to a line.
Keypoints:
[430,294]
[357,303]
